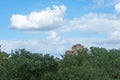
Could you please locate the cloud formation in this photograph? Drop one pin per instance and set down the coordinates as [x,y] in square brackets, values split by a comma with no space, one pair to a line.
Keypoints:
[117,8]
[48,19]
[107,24]
[53,37]
[44,20]
[98,23]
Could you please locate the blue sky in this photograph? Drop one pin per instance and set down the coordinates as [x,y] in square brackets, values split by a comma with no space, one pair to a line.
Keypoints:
[53,26]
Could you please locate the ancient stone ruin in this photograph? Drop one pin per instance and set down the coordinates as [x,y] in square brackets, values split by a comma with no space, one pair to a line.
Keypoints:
[75,49]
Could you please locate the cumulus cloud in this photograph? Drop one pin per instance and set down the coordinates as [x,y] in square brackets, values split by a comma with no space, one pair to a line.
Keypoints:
[53,37]
[44,20]
[106,24]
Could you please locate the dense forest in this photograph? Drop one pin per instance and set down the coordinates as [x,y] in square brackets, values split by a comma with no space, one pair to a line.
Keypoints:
[89,64]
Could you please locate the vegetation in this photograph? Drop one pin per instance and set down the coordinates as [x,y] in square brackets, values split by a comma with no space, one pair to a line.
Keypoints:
[89,64]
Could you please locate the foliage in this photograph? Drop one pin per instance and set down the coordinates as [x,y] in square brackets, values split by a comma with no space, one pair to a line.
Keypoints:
[89,64]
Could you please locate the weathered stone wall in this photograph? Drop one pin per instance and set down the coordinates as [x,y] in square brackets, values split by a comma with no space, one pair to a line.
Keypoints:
[75,48]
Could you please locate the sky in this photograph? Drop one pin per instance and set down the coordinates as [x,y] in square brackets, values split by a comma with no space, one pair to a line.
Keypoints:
[53,26]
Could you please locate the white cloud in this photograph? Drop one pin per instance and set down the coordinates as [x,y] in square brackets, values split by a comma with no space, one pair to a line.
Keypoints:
[99,23]
[8,45]
[103,3]
[117,7]
[39,46]
[44,20]
[115,35]
[54,38]
[95,23]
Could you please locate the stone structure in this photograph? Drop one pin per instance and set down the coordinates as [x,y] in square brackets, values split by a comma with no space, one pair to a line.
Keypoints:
[69,52]
[75,48]
[0,48]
